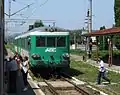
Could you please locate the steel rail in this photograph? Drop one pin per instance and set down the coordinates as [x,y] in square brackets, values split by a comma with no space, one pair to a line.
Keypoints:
[51,88]
[83,92]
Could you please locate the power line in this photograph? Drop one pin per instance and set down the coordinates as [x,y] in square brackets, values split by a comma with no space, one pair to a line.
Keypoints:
[35,9]
[19,2]
[18,10]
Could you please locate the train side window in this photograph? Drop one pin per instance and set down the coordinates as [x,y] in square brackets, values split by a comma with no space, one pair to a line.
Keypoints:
[61,42]
[29,42]
[40,41]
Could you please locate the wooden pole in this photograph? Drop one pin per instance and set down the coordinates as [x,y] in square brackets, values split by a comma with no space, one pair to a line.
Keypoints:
[110,52]
[97,47]
[111,49]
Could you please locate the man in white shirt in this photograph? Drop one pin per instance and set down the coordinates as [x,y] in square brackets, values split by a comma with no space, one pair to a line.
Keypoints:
[101,72]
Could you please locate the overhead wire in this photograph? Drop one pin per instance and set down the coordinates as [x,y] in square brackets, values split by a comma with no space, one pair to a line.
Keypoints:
[19,2]
[23,3]
[35,9]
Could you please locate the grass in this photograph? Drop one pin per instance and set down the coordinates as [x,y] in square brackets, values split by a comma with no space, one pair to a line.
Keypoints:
[86,70]
[89,73]
[77,52]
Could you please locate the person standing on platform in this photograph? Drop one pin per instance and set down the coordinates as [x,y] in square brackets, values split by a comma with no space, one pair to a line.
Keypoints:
[13,68]
[24,70]
[18,61]
[102,71]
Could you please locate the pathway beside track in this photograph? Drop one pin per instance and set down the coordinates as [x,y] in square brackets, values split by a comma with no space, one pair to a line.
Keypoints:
[113,68]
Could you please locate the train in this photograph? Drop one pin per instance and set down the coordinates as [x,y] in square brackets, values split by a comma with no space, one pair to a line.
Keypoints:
[45,47]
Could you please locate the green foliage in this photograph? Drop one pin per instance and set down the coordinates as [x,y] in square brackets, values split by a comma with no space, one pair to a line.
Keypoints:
[117,22]
[117,41]
[76,34]
[78,52]
[103,41]
[38,24]
[31,27]
[103,27]
[105,53]
[117,13]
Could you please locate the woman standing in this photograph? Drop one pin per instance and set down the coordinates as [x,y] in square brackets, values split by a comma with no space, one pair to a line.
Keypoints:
[24,70]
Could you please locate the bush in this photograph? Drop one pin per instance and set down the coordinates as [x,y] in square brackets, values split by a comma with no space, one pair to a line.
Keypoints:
[78,52]
[105,54]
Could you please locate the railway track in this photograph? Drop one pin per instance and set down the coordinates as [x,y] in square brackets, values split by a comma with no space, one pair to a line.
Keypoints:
[51,88]
[74,90]
[80,90]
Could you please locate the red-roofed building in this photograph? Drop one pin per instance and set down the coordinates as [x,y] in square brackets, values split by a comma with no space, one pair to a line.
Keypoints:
[110,31]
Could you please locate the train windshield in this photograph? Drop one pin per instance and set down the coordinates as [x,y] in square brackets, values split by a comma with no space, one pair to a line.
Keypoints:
[40,41]
[61,42]
[50,41]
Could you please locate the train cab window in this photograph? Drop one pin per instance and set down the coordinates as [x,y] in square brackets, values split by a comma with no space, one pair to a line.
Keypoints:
[50,41]
[61,42]
[40,41]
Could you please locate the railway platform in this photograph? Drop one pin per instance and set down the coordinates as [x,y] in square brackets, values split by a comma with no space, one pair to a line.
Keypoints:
[113,68]
[33,88]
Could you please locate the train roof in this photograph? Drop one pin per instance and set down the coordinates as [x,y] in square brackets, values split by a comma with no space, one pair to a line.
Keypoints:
[38,33]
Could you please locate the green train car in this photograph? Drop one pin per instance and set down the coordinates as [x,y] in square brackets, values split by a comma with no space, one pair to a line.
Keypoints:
[45,49]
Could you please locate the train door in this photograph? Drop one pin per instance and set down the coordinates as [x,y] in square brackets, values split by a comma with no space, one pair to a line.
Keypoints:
[29,45]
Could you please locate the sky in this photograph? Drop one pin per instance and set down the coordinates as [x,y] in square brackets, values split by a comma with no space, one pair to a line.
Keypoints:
[68,14]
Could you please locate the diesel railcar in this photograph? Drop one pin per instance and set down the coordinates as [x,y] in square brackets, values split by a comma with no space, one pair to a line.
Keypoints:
[45,48]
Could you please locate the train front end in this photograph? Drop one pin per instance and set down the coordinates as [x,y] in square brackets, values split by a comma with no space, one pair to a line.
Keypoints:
[52,50]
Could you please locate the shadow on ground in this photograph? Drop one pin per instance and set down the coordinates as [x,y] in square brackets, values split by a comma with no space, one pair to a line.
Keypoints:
[48,73]
[20,87]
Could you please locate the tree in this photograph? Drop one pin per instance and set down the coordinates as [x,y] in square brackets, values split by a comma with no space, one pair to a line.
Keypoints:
[31,27]
[38,24]
[117,22]
[103,41]
[117,13]
[76,34]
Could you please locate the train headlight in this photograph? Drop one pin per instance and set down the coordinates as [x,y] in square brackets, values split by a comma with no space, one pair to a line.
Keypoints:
[35,56]
[66,55]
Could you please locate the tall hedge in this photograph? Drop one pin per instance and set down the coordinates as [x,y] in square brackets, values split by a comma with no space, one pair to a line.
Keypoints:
[117,22]
[103,41]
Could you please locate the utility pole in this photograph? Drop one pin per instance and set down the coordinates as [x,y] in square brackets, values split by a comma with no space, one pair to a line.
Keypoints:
[88,38]
[10,15]
[75,40]
[9,8]
[90,30]
[89,15]
[1,46]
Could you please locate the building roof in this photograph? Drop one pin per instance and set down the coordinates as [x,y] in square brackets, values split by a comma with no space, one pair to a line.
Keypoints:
[110,31]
